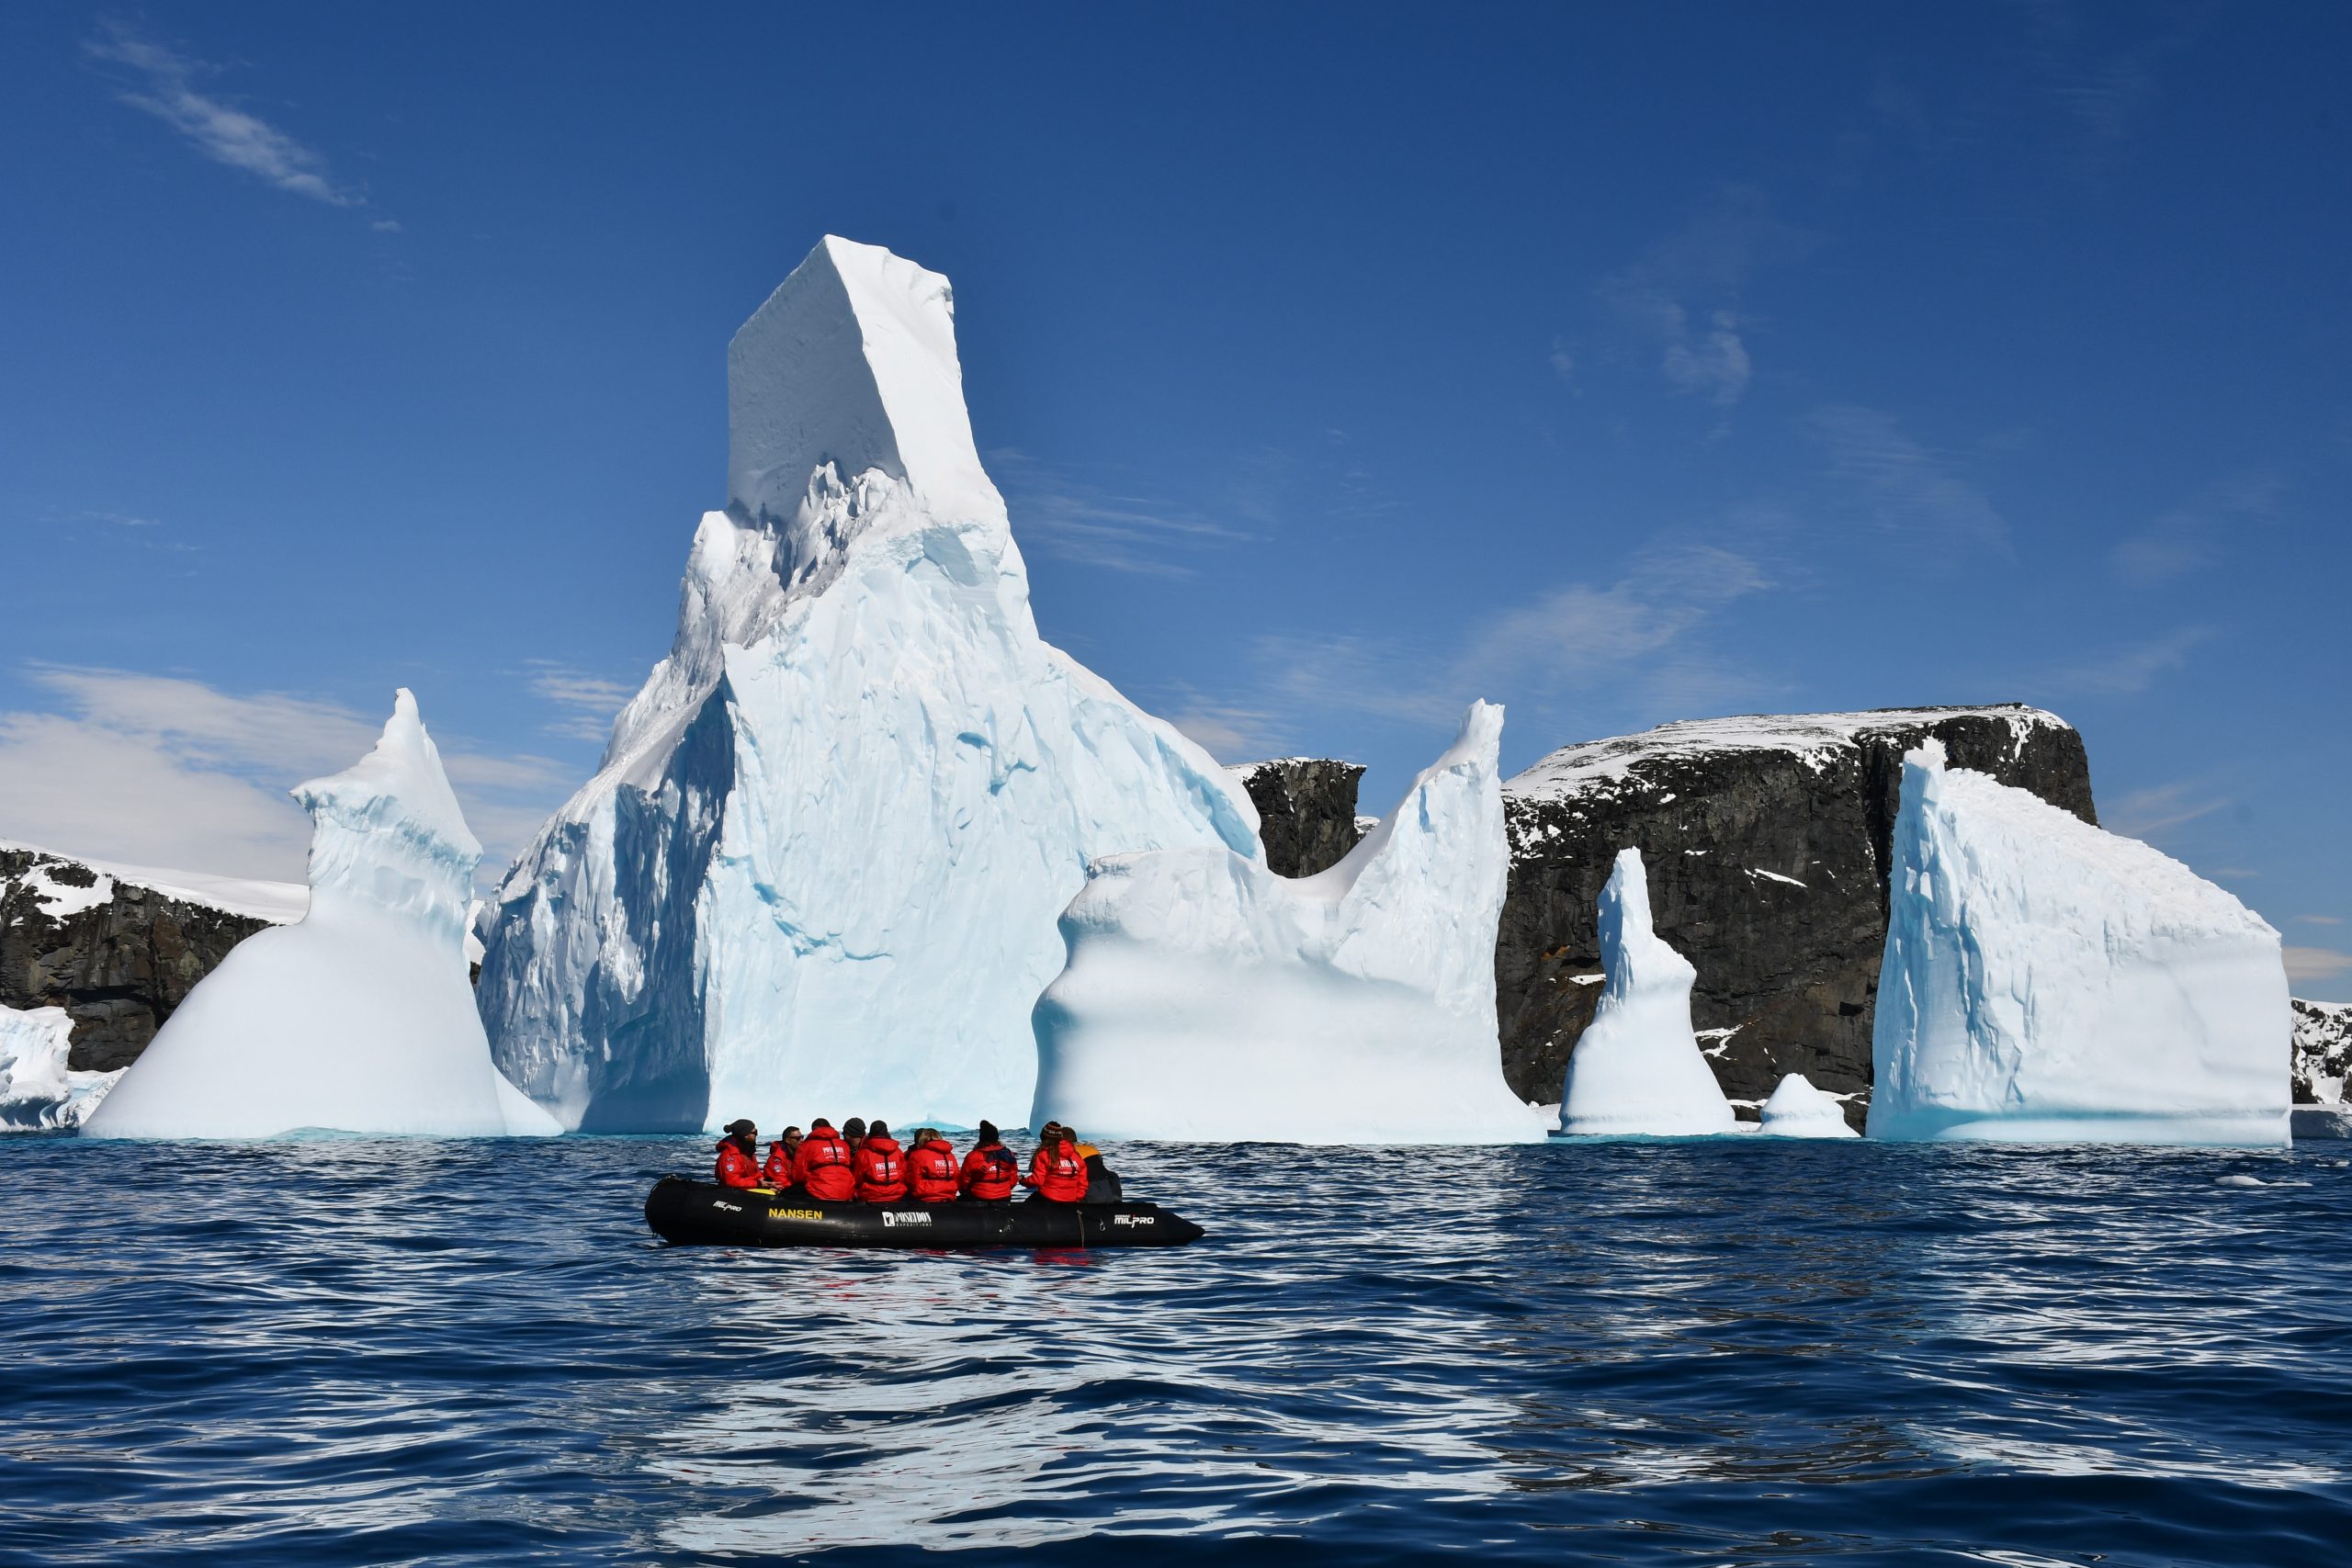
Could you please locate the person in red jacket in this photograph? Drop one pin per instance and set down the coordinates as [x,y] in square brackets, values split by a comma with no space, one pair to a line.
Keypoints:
[777,1173]
[931,1168]
[990,1173]
[735,1166]
[881,1167]
[1056,1171]
[821,1167]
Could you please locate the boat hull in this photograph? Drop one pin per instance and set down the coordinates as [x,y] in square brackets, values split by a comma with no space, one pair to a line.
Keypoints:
[703,1213]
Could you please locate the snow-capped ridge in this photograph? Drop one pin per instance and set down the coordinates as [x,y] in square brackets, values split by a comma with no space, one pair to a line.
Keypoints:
[277,902]
[1588,764]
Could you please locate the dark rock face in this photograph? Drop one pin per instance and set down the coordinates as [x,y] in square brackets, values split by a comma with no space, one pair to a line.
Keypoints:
[119,967]
[1306,811]
[2323,1051]
[1767,840]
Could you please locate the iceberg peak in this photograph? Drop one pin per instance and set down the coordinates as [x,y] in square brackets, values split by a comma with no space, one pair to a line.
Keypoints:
[851,363]
[388,830]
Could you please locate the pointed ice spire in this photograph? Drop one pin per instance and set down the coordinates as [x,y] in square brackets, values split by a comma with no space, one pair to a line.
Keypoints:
[1637,1069]
[357,1017]
[852,361]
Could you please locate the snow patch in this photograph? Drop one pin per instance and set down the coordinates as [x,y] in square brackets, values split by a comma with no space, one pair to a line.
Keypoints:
[1813,738]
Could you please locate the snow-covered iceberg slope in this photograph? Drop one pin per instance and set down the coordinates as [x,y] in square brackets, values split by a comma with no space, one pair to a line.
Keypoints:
[2049,981]
[1208,998]
[1797,1109]
[1638,1070]
[357,1017]
[38,1092]
[823,856]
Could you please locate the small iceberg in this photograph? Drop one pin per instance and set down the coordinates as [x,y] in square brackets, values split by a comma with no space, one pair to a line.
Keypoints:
[1638,1070]
[1797,1109]
[358,1017]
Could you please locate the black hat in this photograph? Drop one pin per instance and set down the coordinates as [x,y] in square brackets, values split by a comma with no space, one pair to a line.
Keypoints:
[854,1128]
[740,1127]
[988,1131]
[879,1130]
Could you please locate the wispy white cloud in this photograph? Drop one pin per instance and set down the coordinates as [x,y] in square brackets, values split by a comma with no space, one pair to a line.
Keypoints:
[1637,641]
[1712,363]
[1062,516]
[1698,273]
[2315,962]
[587,704]
[166,771]
[1905,488]
[2131,669]
[2321,920]
[2153,812]
[2188,536]
[166,84]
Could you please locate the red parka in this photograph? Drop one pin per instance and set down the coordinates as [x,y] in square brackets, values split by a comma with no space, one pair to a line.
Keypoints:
[931,1168]
[734,1167]
[777,1173]
[990,1172]
[822,1167]
[1058,1174]
[881,1170]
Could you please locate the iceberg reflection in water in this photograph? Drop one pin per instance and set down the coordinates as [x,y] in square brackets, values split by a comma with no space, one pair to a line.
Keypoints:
[1727,1349]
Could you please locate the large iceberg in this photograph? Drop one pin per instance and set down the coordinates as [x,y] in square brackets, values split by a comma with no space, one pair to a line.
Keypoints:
[2049,981]
[820,864]
[357,1017]
[1207,998]
[1638,1070]
[38,1092]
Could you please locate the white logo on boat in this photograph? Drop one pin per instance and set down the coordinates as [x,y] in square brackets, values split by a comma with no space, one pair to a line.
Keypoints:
[918,1218]
[1131,1219]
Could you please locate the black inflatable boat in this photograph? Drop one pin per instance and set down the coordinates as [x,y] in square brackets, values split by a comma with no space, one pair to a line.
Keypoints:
[703,1213]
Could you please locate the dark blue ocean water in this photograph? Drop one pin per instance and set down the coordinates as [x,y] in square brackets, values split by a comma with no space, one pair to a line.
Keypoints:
[1718,1352]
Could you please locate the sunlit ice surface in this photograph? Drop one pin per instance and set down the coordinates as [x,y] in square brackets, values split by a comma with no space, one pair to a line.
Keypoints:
[1722,1350]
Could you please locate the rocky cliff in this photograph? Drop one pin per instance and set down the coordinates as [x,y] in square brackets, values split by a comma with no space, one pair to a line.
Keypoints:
[1306,811]
[119,949]
[1766,839]
[2323,1051]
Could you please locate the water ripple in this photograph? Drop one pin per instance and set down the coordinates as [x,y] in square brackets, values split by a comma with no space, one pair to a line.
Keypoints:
[358,1352]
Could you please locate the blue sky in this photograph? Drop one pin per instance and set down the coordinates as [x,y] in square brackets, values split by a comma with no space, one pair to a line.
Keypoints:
[1341,364]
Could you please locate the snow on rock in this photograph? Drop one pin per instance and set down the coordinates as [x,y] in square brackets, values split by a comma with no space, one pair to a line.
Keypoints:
[1206,997]
[37,1091]
[2323,1051]
[358,1017]
[1797,1109]
[1638,1070]
[823,856]
[2049,981]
